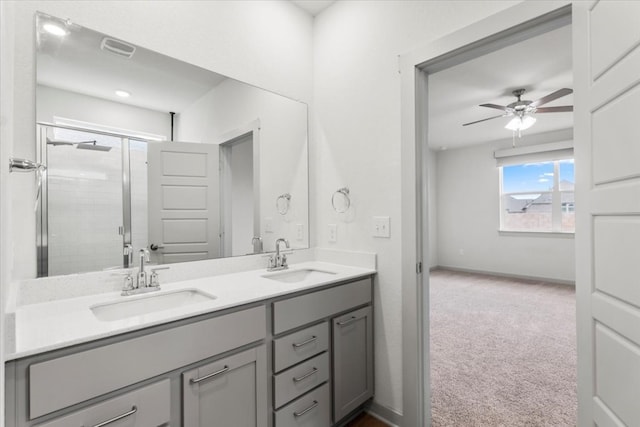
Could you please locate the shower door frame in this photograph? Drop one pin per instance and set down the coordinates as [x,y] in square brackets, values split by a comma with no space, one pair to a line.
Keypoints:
[42,218]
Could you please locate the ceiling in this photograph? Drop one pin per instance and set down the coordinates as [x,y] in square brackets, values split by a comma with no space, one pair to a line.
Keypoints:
[313,7]
[540,65]
[77,63]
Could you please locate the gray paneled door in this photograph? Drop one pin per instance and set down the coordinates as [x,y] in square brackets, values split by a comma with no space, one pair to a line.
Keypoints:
[183,197]
[607,154]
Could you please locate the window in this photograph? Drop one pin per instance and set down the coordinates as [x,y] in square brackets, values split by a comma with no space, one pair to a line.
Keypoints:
[538,196]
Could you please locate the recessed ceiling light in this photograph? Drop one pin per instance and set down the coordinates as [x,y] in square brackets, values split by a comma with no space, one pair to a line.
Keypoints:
[54,29]
[123,93]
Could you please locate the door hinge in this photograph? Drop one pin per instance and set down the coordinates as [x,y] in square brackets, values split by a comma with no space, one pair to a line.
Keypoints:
[419,268]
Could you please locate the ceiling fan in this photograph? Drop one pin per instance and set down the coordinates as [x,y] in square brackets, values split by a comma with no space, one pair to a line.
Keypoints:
[523,109]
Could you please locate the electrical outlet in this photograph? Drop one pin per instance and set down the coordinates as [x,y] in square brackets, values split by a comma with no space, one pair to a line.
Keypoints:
[268,225]
[381,226]
[299,231]
[333,233]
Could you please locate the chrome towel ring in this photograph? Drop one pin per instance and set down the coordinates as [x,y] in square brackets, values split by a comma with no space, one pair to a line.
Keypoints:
[282,203]
[341,200]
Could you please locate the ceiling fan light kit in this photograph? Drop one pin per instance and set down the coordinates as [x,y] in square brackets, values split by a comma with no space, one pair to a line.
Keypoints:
[523,109]
[520,123]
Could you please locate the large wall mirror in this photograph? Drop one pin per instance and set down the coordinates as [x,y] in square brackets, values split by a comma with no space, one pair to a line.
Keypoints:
[145,151]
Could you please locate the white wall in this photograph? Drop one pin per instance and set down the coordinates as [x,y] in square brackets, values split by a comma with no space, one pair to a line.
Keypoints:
[265,43]
[54,102]
[468,213]
[233,105]
[356,135]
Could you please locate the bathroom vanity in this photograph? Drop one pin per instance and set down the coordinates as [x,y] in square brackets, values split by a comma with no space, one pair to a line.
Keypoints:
[292,348]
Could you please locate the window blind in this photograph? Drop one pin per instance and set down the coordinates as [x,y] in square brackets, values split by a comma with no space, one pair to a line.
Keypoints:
[534,153]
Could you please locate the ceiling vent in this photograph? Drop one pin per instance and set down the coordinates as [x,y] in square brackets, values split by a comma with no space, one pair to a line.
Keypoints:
[117,47]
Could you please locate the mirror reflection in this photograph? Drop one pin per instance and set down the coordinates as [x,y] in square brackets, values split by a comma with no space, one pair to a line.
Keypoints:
[147,152]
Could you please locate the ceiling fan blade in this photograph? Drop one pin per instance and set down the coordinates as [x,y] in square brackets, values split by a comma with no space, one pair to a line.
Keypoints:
[497,107]
[484,120]
[566,108]
[555,95]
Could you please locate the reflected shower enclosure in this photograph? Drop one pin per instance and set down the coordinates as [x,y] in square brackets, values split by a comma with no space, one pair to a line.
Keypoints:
[94,200]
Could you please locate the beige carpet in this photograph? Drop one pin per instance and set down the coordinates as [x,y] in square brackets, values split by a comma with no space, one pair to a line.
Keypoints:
[502,352]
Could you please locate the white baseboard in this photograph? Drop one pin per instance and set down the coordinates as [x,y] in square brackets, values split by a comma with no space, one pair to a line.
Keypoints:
[507,275]
[385,414]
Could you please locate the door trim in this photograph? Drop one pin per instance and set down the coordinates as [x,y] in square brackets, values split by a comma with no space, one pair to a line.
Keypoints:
[498,30]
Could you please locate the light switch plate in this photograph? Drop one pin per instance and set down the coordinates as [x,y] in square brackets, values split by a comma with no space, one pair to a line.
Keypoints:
[381,226]
[268,225]
[299,231]
[333,233]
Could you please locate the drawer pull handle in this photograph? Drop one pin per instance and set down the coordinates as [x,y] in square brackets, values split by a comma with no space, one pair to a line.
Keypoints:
[307,375]
[351,320]
[211,375]
[303,343]
[133,410]
[304,411]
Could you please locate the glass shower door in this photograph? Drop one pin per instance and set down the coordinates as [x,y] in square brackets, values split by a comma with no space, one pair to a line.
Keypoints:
[83,203]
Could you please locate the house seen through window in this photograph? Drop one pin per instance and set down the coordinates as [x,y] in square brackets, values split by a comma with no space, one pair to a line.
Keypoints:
[538,197]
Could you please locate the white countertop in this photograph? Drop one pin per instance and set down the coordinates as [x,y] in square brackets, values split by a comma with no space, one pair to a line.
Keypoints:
[56,324]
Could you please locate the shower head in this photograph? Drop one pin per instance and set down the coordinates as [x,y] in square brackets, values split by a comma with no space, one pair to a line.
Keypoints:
[57,142]
[91,145]
[84,145]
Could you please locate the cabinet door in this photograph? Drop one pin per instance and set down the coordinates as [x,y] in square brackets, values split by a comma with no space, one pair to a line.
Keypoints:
[231,392]
[352,361]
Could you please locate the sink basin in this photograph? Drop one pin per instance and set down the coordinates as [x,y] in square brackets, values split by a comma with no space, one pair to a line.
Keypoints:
[146,304]
[294,276]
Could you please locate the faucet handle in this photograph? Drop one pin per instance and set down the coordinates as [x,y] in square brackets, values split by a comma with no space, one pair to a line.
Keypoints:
[128,251]
[154,280]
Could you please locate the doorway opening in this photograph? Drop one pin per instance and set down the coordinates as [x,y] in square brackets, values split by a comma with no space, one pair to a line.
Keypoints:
[502,330]
[240,191]
[236,167]
[418,67]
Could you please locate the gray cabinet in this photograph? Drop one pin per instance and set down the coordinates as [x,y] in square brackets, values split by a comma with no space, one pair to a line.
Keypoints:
[146,406]
[352,361]
[231,392]
[306,352]
[108,380]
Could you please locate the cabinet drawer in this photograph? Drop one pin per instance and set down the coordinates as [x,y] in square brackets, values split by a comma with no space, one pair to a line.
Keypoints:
[294,312]
[298,380]
[146,406]
[91,373]
[311,410]
[299,346]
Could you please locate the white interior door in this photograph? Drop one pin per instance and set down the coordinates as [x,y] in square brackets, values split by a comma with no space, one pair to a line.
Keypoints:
[607,152]
[183,200]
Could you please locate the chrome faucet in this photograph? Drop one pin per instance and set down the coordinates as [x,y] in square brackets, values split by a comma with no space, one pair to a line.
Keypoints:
[256,242]
[142,275]
[144,283]
[279,261]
